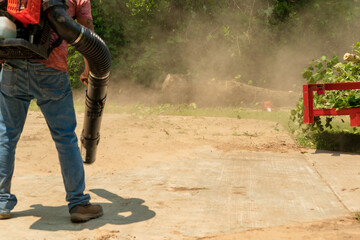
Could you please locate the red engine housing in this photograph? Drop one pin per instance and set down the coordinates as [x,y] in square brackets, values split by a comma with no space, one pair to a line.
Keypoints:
[25,11]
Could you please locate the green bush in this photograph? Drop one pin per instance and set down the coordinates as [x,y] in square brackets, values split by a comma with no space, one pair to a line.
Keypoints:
[325,70]
[75,67]
[217,39]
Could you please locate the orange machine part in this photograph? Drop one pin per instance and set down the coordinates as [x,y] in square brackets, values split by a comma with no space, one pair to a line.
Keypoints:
[25,11]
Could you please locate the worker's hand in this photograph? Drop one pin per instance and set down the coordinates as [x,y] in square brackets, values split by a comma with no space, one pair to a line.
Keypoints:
[85,75]
[88,23]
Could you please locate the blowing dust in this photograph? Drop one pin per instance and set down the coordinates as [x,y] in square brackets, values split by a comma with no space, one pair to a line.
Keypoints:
[237,60]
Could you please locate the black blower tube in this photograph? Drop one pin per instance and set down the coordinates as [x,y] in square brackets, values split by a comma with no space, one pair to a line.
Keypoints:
[93,48]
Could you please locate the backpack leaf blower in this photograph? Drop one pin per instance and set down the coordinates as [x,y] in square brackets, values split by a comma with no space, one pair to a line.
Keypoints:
[25,27]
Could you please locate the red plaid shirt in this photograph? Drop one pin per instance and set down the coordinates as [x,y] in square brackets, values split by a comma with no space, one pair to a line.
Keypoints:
[57,58]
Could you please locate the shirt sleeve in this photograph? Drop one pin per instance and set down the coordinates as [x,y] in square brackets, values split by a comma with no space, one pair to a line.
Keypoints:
[83,9]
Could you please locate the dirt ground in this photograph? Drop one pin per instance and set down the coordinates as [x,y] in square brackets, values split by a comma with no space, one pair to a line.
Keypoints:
[335,229]
[133,138]
[131,141]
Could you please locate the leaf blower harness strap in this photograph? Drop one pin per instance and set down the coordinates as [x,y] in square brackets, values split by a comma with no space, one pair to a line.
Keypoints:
[93,48]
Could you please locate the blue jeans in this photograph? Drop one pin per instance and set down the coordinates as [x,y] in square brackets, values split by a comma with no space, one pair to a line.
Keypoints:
[20,82]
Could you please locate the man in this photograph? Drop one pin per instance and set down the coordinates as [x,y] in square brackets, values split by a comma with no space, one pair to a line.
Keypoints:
[46,81]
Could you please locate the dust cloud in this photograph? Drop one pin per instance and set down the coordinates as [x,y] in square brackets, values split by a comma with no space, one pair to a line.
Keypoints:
[226,53]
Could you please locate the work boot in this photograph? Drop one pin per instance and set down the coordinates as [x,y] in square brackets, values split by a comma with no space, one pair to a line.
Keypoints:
[5,214]
[83,213]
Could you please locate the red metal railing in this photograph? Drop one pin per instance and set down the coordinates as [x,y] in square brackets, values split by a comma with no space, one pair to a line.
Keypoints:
[310,112]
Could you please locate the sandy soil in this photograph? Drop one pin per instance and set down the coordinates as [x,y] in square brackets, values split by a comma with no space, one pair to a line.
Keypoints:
[335,229]
[131,141]
[124,135]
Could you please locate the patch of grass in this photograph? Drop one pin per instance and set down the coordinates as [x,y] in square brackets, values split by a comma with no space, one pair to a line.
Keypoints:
[276,127]
[337,141]
[33,106]
[235,133]
[342,137]
[246,133]
[280,116]
[357,217]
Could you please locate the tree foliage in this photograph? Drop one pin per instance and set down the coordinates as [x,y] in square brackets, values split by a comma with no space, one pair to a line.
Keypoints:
[325,70]
[217,38]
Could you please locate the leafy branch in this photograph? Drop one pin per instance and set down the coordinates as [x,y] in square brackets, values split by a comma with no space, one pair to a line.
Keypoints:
[325,70]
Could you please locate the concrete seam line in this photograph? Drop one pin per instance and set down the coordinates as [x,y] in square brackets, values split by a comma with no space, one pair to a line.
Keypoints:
[312,166]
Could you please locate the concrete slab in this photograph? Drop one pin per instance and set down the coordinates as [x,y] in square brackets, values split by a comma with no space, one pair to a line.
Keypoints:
[342,172]
[200,194]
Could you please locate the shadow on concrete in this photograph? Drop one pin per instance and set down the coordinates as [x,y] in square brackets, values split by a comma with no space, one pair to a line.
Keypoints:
[334,153]
[120,211]
[338,142]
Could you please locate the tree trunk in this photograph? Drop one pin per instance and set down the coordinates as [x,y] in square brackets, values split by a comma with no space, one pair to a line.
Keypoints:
[350,57]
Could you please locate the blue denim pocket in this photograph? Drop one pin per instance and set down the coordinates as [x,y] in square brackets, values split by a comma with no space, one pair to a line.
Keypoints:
[52,83]
[8,79]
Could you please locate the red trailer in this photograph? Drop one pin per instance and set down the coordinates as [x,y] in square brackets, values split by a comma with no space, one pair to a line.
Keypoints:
[320,88]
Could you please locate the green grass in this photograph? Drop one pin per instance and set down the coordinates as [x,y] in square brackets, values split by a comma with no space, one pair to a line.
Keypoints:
[280,116]
[33,106]
[357,217]
[341,137]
